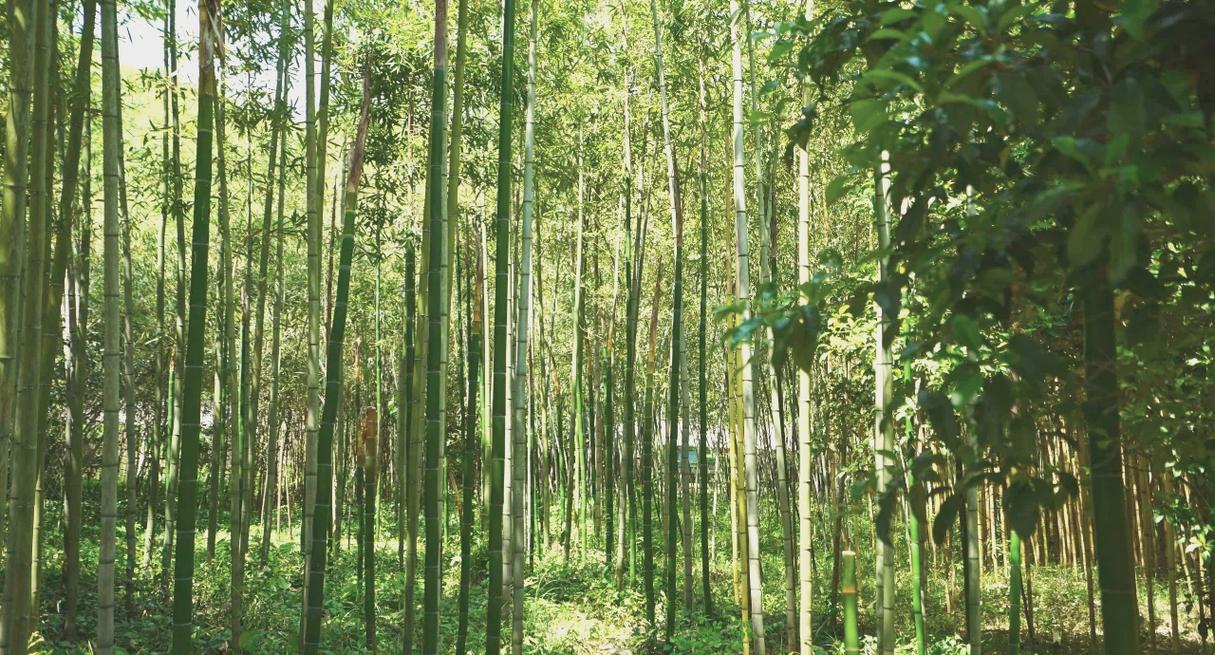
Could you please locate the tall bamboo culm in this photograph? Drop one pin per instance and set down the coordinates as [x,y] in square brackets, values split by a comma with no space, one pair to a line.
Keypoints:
[805,454]
[493,611]
[111,150]
[312,413]
[848,591]
[210,47]
[436,348]
[321,517]
[23,451]
[12,222]
[519,458]
[743,294]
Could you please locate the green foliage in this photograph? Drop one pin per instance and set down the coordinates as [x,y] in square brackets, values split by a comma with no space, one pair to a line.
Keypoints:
[1034,147]
[1024,145]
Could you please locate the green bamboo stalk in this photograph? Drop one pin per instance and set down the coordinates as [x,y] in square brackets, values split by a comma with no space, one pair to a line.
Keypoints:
[158,437]
[412,459]
[12,222]
[52,332]
[638,247]
[321,516]
[805,453]
[609,419]
[673,427]
[972,569]
[210,46]
[769,274]
[482,252]
[685,477]
[776,395]
[446,267]
[848,591]
[509,451]
[545,451]
[322,120]
[241,437]
[472,445]
[418,417]
[647,457]
[370,456]
[312,418]
[360,486]
[1111,534]
[915,541]
[128,372]
[518,438]
[404,373]
[738,491]
[173,188]
[609,481]
[374,482]
[75,355]
[883,428]
[436,349]
[579,416]
[272,446]
[743,293]
[269,506]
[533,481]
[273,159]
[703,419]
[970,553]
[519,458]
[493,612]
[18,615]
[224,419]
[633,260]
[111,151]
[456,137]
[1014,593]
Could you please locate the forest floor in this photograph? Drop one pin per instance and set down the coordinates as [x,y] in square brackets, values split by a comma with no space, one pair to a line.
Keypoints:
[572,606]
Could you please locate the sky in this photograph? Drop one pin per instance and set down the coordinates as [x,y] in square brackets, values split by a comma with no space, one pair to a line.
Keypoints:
[141,46]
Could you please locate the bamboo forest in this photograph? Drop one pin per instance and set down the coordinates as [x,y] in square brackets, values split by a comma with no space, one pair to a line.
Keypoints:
[607,327]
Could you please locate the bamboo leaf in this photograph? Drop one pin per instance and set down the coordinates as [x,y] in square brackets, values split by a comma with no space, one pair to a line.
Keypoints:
[945,518]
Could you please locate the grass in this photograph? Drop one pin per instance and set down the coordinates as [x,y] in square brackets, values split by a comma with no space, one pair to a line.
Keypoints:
[572,607]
